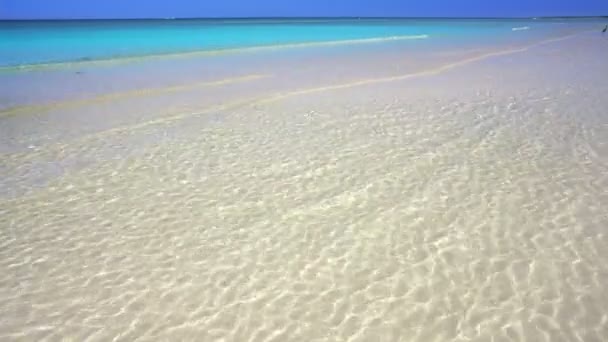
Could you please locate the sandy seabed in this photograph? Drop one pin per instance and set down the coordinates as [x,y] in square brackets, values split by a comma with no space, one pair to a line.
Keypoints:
[468,202]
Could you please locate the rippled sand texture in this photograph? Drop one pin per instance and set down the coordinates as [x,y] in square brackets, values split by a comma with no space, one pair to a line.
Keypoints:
[469,205]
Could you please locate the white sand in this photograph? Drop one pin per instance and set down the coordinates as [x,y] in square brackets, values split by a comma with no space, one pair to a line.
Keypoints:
[464,202]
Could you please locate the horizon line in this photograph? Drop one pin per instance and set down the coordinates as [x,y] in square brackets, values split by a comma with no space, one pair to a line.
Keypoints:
[307,18]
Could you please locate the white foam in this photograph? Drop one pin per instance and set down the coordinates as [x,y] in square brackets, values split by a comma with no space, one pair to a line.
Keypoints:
[523,28]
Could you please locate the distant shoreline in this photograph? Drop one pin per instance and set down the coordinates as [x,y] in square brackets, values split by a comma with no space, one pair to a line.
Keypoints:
[308,18]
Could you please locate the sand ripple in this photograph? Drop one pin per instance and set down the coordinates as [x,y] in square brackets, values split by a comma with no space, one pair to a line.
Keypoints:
[352,215]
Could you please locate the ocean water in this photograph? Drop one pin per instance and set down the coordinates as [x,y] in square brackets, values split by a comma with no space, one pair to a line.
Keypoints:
[23,43]
[331,184]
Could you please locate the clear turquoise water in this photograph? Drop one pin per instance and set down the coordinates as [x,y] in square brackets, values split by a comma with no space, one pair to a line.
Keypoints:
[26,43]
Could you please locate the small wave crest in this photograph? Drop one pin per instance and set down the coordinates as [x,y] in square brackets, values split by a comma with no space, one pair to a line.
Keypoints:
[522,28]
[122,59]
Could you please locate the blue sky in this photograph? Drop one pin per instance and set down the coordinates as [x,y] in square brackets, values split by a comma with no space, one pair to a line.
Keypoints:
[62,9]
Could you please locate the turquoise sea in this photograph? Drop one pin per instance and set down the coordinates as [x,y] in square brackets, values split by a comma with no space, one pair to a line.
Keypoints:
[36,42]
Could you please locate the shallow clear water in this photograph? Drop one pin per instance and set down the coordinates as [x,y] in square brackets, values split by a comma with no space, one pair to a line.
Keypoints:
[449,190]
